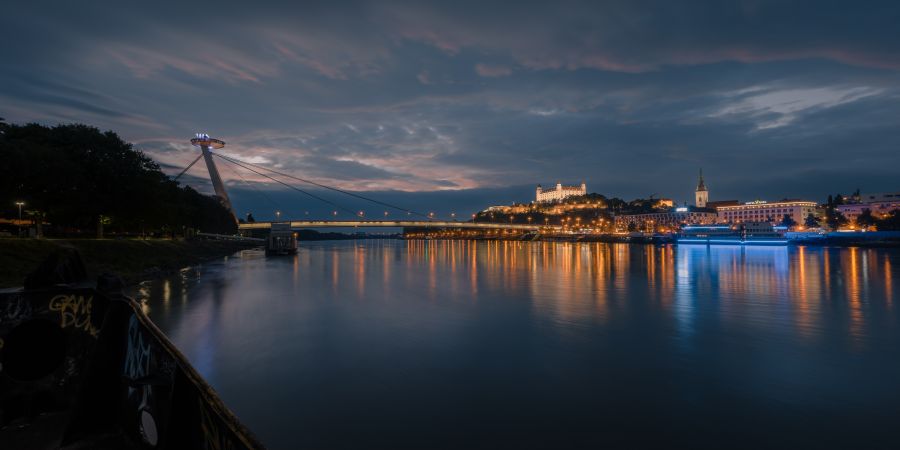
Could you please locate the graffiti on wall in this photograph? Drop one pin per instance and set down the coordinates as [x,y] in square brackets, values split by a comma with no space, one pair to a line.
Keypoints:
[137,355]
[74,312]
[15,309]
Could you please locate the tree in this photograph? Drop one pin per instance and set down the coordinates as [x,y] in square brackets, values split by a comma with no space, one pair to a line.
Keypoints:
[788,221]
[101,221]
[811,221]
[866,219]
[76,173]
[839,200]
[891,222]
[834,219]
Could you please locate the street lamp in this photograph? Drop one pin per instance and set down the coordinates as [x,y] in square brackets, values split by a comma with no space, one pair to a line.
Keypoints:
[20,205]
[277,215]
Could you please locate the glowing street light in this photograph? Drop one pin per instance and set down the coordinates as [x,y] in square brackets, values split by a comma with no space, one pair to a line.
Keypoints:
[278,215]
[20,204]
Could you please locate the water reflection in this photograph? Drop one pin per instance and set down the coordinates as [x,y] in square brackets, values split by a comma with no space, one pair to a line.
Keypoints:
[441,337]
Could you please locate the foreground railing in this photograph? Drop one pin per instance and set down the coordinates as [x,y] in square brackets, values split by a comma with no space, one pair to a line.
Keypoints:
[84,367]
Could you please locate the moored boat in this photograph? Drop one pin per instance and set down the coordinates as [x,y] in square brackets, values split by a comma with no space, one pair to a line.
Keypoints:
[748,233]
[282,240]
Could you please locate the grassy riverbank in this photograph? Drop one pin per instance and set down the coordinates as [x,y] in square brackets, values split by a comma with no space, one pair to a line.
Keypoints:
[133,260]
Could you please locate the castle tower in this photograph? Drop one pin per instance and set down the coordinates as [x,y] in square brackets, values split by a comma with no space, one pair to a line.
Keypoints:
[537,193]
[583,188]
[701,195]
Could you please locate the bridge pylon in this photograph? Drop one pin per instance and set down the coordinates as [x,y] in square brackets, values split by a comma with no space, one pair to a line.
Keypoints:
[205,142]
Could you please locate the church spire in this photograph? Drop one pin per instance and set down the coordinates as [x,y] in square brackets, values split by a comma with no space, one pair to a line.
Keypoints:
[701,196]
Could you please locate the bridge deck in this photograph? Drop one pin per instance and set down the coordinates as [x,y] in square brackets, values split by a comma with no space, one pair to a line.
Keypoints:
[393,224]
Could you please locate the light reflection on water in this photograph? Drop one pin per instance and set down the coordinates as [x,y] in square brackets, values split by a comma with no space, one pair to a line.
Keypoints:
[426,344]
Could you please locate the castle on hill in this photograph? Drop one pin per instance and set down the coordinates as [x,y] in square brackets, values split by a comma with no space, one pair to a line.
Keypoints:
[559,193]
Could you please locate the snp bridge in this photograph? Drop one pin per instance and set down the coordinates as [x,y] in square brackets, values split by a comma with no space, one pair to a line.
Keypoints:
[393,224]
[207,144]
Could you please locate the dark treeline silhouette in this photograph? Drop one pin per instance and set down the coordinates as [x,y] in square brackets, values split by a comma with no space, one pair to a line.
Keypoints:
[80,179]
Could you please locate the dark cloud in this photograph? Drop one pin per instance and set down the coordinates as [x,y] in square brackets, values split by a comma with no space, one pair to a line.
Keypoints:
[443,103]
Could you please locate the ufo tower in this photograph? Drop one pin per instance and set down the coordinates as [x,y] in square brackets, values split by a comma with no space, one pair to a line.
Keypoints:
[205,143]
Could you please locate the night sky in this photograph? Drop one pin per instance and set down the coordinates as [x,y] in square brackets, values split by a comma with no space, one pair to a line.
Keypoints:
[461,105]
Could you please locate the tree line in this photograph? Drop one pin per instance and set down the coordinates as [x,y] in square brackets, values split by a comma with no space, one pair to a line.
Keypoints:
[80,181]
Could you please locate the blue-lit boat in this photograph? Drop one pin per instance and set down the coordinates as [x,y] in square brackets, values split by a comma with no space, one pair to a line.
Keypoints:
[748,233]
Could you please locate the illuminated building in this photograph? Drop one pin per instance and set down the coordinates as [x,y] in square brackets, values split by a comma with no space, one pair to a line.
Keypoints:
[664,203]
[762,211]
[559,193]
[666,219]
[701,195]
[719,203]
[879,204]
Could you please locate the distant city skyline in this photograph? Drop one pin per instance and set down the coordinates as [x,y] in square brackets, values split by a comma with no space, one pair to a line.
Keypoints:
[462,106]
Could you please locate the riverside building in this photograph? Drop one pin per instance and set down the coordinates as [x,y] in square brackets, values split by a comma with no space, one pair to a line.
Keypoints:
[670,219]
[763,211]
[559,193]
[879,204]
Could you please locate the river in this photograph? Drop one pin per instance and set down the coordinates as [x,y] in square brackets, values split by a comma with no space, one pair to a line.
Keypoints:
[465,344]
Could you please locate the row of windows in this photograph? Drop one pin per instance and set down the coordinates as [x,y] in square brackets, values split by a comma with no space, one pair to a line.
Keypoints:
[778,211]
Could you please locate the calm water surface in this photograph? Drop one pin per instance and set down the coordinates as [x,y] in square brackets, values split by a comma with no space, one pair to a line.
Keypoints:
[455,344]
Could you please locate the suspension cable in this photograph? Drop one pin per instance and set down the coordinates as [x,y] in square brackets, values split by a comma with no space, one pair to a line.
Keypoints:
[187,168]
[253,186]
[233,160]
[288,185]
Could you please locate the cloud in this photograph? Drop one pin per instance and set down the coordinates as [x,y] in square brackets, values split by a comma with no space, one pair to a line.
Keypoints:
[477,98]
[492,70]
[772,107]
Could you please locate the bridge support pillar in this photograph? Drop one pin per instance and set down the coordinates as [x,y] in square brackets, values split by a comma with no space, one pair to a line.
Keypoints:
[205,142]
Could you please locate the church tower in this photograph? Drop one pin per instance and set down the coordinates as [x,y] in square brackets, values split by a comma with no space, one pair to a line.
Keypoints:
[701,195]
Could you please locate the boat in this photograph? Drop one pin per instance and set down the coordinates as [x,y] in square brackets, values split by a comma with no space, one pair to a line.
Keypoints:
[746,233]
[281,240]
